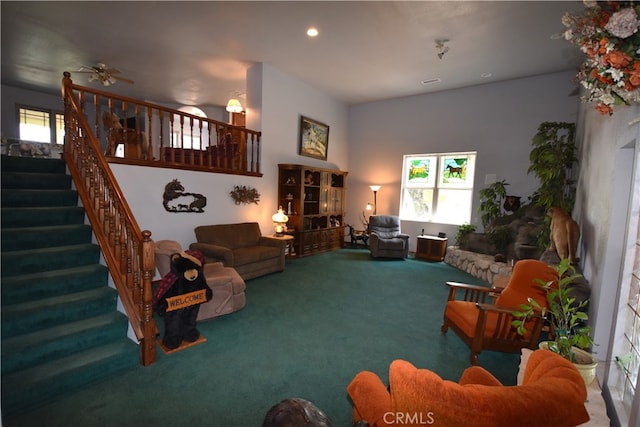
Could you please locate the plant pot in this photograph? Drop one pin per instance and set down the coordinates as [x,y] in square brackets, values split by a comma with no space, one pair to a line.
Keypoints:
[586,364]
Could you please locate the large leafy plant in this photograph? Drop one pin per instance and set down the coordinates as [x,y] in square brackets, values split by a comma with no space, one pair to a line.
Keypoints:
[553,159]
[566,315]
[464,230]
[491,201]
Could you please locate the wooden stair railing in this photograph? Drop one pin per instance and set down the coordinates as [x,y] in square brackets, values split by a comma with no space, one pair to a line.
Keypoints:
[128,252]
[158,136]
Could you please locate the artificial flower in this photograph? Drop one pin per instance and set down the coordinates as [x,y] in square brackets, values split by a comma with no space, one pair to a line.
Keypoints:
[624,23]
[607,33]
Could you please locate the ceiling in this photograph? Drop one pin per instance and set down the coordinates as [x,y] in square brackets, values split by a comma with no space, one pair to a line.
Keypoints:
[197,53]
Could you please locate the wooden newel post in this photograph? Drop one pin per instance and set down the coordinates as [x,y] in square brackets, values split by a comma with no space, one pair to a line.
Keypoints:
[66,83]
[148,349]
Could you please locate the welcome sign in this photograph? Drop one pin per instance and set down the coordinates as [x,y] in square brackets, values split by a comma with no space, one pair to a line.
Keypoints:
[186,300]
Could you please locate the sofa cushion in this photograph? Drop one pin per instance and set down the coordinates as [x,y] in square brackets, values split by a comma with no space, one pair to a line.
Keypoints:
[527,272]
[386,234]
[249,255]
[393,243]
[231,236]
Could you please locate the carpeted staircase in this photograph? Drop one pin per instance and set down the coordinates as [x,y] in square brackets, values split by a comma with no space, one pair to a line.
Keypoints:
[60,326]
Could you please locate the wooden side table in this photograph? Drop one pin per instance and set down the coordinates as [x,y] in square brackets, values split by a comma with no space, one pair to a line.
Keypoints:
[289,250]
[431,248]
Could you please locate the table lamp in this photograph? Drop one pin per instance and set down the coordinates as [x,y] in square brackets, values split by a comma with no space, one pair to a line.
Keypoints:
[279,221]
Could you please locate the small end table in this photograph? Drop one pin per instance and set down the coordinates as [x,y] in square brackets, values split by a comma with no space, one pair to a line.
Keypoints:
[358,235]
[431,248]
[289,250]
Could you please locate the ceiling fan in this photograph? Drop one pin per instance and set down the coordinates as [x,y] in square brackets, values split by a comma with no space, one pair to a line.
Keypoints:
[106,76]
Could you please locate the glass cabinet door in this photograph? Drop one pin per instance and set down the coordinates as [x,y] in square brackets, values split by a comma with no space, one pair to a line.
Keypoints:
[324,202]
[324,179]
[336,200]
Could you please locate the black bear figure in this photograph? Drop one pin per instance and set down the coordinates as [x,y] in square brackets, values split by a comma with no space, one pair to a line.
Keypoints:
[177,299]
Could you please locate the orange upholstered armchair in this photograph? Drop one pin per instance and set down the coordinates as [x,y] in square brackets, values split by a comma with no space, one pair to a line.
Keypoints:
[482,317]
[552,394]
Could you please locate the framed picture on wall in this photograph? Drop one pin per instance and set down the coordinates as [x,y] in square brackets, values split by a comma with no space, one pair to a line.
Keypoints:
[314,138]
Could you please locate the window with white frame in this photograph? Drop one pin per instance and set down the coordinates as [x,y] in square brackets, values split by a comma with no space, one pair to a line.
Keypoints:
[40,125]
[623,376]
[437,187]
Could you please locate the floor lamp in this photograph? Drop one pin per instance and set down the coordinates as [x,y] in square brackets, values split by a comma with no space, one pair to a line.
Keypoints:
[375,189]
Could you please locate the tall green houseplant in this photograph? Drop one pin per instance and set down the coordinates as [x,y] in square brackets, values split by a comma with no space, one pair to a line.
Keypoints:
[491,199]
[553,159]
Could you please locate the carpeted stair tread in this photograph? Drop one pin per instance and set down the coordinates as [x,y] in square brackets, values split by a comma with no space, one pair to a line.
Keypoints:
[22,238]
[33,198]
[45,259]
[60,326]
[31,180]
[34,315]
[25,351]
[33,387]
[37,216]
[30,164]
[47,284]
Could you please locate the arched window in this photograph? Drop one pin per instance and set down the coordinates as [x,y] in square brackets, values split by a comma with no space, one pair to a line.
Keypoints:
[193,132]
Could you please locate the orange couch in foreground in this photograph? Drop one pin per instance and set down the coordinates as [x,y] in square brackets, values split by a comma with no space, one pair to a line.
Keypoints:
[552,394]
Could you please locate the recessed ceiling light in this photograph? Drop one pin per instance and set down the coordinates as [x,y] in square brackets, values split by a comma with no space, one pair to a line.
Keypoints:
[312,32]
[486,75]
[430,81]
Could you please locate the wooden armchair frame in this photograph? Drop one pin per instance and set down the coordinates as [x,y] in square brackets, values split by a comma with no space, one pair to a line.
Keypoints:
[493,328]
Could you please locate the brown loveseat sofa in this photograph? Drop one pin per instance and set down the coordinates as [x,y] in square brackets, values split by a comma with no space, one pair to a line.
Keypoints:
[242,247]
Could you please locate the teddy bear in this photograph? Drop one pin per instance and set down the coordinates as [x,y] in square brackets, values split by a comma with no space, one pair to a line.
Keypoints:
[180,314]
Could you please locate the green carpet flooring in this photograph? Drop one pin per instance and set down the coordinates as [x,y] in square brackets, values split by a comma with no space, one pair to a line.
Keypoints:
[304,333]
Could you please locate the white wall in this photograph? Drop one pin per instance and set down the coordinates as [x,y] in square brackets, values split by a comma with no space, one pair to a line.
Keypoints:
[498,120]
[608,146]
[276,112]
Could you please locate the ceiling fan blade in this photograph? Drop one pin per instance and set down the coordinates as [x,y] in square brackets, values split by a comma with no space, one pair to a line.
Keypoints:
[123,79]
[85,69]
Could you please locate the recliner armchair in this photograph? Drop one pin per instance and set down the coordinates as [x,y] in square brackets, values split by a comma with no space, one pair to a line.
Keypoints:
[385,237]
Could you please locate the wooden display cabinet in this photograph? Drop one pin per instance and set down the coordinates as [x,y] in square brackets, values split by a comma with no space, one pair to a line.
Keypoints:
[314,200]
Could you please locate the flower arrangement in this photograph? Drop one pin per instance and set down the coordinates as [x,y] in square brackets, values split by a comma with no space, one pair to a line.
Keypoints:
[607,32]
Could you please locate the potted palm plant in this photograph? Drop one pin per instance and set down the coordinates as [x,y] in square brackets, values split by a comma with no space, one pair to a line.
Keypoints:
[566,317]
